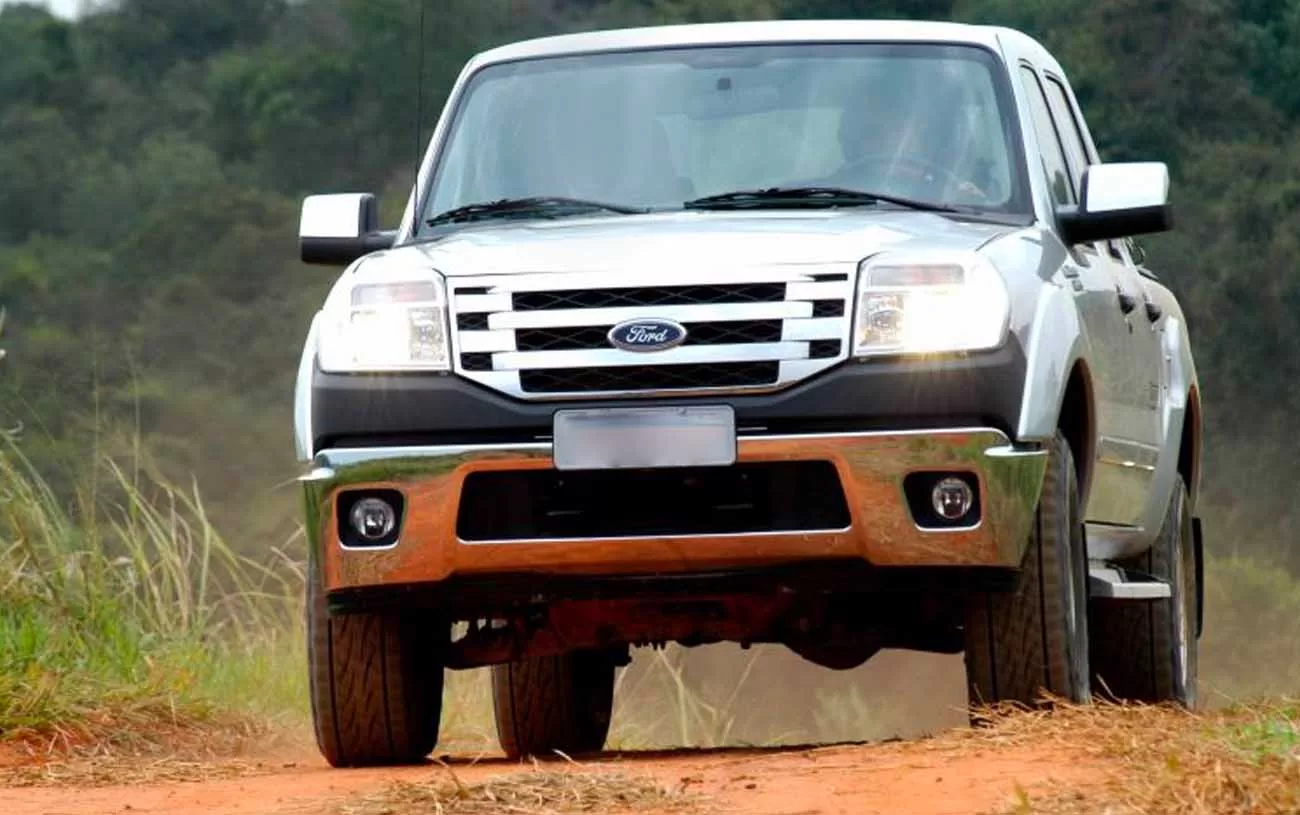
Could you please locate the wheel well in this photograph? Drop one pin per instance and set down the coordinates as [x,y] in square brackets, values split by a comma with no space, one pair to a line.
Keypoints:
[1189,447]
[1077,423]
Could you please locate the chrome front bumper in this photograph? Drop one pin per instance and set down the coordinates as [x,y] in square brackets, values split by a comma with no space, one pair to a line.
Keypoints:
[871,468]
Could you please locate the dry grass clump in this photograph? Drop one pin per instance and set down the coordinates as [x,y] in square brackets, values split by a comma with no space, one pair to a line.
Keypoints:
[223,747]
[535,792]
[1241,761]
[126,620]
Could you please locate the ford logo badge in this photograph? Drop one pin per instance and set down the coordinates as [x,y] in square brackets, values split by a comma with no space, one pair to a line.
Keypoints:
[647,335]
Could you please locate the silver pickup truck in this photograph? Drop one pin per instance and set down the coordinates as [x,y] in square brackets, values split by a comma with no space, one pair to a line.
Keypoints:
[826,334]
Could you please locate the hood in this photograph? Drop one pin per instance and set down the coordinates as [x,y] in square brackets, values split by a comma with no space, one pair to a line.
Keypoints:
[737,239]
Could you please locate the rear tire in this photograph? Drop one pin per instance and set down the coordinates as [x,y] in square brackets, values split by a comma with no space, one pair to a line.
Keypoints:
[555,703]
[1147,651]
[1034,638]
[376,684]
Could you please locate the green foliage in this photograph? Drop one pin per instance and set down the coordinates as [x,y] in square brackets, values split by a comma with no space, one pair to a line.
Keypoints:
[155,152]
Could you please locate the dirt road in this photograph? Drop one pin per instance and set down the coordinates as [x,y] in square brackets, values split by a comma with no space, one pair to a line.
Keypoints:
[926,777]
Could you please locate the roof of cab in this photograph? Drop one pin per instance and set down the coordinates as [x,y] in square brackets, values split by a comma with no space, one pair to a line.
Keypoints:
[768,31]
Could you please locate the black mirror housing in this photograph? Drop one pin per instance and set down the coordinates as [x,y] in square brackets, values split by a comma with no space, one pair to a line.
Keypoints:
[335,230]
[1118,200]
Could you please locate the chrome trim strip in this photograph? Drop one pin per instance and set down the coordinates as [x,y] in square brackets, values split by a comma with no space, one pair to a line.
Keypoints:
[1011,452]
[329,459]
[820,290]
[1127,453]
[813,328]
[616,358]
[482,342]
[387,548]
[797,370]
[640,277]
[788,533]
[576,317]
[483,302]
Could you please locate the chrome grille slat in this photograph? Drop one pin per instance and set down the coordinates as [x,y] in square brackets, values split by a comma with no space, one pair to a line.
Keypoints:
[531,337]
[562,281]
[614,358]
[560,318]
[814,328]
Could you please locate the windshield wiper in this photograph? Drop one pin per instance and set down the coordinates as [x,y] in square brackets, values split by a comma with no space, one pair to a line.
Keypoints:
[542,205]
[780,197]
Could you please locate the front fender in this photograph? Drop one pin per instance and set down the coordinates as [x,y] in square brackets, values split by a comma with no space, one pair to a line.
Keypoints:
[1055,340]
[302,431]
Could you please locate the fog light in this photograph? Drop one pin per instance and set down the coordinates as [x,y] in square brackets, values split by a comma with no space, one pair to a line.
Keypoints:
[373,518]
[952,498]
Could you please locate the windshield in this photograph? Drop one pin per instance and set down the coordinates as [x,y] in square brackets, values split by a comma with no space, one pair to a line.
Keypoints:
[653,129]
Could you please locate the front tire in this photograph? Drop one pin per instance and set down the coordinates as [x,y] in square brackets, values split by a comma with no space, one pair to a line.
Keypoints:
[554,704]
[376,684]
[1147,651]
[1034,638]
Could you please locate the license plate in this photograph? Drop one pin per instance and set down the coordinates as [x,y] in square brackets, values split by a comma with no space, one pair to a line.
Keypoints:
[652,437]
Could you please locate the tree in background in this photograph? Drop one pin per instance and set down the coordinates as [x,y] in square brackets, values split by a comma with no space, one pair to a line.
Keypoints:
[154,155]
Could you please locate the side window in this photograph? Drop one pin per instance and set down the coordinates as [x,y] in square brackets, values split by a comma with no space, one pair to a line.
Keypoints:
[1072,138]
[1049,143]
[1071,135]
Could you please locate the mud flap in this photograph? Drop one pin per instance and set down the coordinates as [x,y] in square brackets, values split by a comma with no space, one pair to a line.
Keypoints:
[1200,575]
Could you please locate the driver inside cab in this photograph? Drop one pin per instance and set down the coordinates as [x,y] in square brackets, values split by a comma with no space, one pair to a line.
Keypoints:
[907,142]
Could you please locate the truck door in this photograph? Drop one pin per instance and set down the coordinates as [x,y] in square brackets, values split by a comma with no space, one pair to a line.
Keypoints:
[1108,304]
[1134,448]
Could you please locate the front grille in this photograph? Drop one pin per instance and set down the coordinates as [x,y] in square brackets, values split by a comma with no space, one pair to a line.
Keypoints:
[546,336]
[633,378]
[753,497]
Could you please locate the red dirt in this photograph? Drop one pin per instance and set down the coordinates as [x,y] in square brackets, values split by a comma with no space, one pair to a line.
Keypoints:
[940,777]
[11,756]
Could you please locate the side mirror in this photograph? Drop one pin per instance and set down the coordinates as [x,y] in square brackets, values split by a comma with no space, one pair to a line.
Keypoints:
[335,230]
[1118,201]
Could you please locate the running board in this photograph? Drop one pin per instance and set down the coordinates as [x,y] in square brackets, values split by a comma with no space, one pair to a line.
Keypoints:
[1115,583]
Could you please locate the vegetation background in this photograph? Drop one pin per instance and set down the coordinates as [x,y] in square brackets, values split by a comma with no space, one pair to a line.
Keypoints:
[153,154]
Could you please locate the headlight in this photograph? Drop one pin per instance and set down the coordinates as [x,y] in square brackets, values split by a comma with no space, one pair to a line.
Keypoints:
[929,302]
[393,319]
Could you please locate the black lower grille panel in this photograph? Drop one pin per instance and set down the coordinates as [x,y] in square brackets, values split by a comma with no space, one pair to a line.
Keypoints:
[786,496]
[650,377]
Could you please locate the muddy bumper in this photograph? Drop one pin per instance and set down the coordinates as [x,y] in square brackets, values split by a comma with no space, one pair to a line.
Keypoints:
[466,511]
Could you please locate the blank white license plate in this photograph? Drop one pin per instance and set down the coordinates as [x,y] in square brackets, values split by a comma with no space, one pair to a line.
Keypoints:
[624,438]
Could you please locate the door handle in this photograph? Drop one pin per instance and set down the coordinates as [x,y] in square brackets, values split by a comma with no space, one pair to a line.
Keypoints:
[1127,302]
[1153,311]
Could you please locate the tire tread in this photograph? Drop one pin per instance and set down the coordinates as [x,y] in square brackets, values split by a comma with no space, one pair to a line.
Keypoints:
[1134,649]
[376,686]
[1017,641]
[553,703]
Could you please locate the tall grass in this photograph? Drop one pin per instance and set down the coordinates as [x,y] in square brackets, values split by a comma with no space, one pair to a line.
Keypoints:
[122,608]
